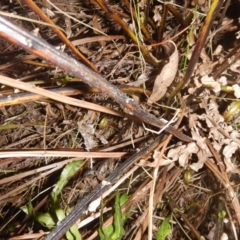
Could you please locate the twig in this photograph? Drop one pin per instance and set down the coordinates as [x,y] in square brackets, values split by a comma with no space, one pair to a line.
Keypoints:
[39,47]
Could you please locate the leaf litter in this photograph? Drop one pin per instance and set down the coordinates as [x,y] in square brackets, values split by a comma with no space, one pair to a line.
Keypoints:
[210,116]
[166,77]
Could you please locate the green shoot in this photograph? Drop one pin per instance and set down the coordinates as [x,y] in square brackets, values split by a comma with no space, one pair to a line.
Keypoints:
[55,214]
[114,231]
[165,229]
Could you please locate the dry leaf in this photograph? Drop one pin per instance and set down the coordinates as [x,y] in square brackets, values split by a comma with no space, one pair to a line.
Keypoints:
[165,78]
[203,154]
[218,50]
[97,25]
[230,149]
[236,90]
[94,205]
[141,79]
[209,81]
[164,161]
[235,67]
[187,153]
[230,166]
[87,132]
[174,152]
[183,153]
[223,80]
[68,24]
[157,17]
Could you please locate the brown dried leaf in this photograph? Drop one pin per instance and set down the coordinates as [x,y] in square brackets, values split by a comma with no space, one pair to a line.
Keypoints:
[175,152]
[97,25]
[230,166]
[87,128]
[197,85]
[163,161]
[235,67]
[183,153]
[51,112]
[87,132]
[157,17]
[187,153]
[230,149]
[209,81]
[68,24]
[203,154]
[223,80]
[165,78]
[236,90]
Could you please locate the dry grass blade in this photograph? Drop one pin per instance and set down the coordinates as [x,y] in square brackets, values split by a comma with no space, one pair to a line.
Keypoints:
[55,96]
[18,98]
[59,153]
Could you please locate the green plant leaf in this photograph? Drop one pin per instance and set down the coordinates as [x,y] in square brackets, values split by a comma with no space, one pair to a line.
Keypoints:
[69,170]
[106,233]
[56,214]
[114,231]
[118,219]
[165,229]
[44,219]
[123,199]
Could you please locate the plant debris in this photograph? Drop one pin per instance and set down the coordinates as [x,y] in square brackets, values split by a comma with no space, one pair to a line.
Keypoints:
[119,120]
